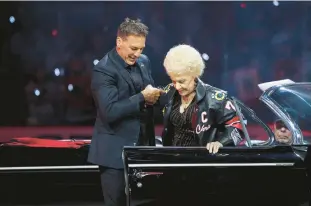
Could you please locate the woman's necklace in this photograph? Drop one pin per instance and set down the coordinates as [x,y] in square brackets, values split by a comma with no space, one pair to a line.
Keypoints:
[185,102]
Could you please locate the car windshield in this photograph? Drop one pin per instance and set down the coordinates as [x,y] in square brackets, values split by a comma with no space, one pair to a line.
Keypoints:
[296,100]
[259,133]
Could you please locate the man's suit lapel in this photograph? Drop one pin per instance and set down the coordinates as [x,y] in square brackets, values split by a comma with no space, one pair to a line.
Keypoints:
[144,73]
[125,74]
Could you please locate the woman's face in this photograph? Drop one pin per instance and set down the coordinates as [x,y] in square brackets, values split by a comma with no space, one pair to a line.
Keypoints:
[184,83]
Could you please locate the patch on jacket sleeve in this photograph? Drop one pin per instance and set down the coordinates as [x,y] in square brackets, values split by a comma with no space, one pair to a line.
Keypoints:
[219,95]
[236,136]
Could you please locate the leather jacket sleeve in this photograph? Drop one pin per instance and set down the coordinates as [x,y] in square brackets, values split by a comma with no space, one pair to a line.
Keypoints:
[231,136]
[227,118]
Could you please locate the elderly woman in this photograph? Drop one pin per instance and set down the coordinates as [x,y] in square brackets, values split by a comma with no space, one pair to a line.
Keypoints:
[197,114]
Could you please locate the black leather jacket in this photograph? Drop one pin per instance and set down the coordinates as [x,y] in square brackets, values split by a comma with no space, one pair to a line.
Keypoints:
[215,118]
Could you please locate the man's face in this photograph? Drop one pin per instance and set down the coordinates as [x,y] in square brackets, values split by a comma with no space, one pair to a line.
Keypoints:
[282,133]
[130,48]
[183,83]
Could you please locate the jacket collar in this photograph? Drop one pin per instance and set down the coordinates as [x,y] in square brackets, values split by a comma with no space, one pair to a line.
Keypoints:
[200,90]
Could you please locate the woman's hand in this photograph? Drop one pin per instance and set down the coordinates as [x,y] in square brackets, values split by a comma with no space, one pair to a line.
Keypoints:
[213,147]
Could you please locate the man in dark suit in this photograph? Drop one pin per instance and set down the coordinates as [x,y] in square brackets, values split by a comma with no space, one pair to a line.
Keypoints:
[123,92]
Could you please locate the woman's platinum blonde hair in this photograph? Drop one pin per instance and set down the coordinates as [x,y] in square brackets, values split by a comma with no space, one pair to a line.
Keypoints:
[184,59]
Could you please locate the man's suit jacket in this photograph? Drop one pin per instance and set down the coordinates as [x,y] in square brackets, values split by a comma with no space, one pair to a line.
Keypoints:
[118,109]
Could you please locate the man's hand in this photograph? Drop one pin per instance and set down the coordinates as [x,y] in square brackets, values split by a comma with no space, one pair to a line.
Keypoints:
[213,147]
[151,94]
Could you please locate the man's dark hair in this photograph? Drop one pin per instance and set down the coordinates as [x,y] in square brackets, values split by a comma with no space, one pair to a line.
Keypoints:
[132,27]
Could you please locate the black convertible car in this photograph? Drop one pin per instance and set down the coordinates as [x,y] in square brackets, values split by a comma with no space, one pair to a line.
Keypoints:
[259,172]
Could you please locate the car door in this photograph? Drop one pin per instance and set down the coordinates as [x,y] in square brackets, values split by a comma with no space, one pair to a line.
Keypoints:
[263,172]
[232,175]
